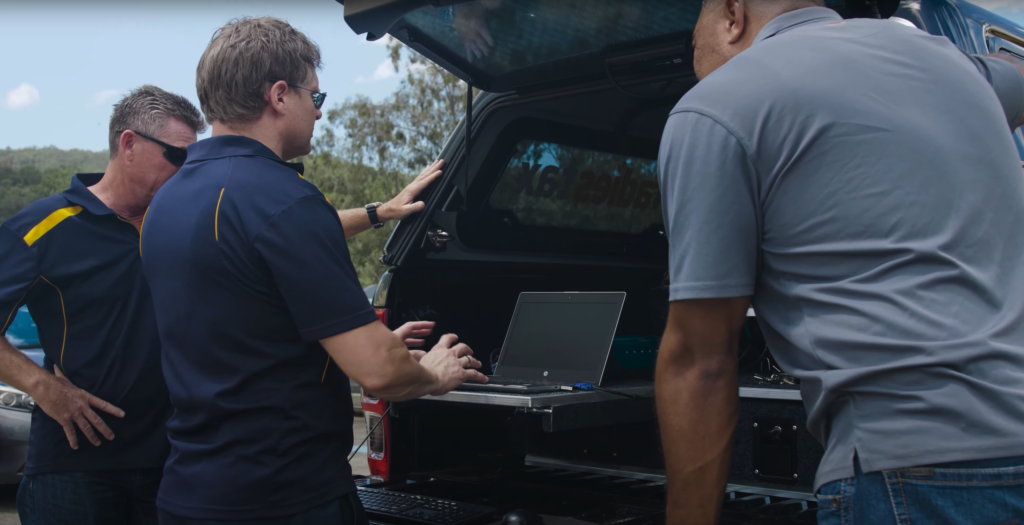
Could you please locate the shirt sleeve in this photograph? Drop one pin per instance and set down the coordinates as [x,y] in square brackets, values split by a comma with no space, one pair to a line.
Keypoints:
[1008,84]
[305,249]
[709,202]
[18,273]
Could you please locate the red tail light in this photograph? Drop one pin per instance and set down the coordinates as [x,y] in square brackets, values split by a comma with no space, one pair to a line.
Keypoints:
[377,444]
[382,314]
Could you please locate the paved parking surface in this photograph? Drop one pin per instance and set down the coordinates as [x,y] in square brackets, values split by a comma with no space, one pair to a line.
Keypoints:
[9,513]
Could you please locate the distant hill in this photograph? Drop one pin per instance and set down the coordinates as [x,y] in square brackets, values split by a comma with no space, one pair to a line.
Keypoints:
[50,158]
[29,174]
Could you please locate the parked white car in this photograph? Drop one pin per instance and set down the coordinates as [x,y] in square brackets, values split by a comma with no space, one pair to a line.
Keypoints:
[16,406]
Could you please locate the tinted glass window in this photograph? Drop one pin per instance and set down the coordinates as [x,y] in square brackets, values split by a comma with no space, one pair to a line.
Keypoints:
[22,332]
[499,36]
[547,184]
[513,34]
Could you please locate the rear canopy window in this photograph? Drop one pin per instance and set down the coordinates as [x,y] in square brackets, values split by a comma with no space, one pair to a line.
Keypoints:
[497,37]
[547,184]
[528,32]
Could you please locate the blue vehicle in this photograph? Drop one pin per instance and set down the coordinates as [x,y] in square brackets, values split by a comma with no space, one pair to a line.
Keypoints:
[16,406]
[550,185]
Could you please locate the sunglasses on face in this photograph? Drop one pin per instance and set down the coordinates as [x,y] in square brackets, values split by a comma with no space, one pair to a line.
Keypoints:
[318,97]
[173,154]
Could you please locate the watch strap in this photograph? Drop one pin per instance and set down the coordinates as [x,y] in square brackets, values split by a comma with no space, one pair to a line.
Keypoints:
[371,212]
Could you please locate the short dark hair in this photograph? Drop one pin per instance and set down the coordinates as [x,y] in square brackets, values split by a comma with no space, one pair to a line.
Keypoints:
[241,60]
[146,110]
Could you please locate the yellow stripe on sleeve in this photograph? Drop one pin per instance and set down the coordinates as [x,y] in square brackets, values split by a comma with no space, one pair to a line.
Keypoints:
[216,216]
[49,222]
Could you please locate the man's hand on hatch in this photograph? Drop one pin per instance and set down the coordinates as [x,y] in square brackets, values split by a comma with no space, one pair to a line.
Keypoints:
[404,204]
[357,220]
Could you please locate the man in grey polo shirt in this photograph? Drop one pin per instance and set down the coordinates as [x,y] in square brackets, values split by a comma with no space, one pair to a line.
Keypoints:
[856,181]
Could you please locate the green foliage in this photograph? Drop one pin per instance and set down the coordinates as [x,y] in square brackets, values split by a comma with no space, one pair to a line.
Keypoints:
[49,158]
[27,175]
[404,132]
[370,150]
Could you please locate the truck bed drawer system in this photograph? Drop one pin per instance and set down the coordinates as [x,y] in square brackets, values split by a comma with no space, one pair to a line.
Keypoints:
[561,497]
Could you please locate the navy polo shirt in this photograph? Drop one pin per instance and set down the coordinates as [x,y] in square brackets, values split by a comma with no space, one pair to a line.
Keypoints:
[249,270]
[76,265]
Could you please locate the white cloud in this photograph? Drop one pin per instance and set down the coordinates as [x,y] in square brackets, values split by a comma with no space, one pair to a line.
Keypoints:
[107,95]
[384,71]
[1009,5]
[22,96]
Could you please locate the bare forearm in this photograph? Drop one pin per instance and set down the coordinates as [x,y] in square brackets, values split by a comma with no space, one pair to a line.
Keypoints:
[405,379]
[382,365]
[697,412]
[19,371]
[354,221]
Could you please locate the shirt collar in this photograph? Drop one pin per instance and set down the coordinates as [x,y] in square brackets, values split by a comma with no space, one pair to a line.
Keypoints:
[794,19]
[79,193]
[224,146]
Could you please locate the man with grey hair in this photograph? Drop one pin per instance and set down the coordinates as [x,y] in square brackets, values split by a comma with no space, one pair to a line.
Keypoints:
[260,313]
[843,177]
[73,258]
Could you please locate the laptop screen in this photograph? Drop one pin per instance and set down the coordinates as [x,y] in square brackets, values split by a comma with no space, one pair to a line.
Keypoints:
[561,336]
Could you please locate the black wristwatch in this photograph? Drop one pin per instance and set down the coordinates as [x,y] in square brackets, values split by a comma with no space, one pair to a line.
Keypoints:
[371,210]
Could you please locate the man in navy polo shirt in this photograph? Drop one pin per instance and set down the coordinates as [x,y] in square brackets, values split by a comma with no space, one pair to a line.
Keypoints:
[259,309]
[73,258]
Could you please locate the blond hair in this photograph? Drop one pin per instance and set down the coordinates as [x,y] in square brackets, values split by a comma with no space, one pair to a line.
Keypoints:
[243,58]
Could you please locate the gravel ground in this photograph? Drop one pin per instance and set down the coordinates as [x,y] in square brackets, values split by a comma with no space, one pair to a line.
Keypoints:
[8,493]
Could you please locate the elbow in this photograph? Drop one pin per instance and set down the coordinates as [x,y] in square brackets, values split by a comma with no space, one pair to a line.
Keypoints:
[717,372]
[707,368]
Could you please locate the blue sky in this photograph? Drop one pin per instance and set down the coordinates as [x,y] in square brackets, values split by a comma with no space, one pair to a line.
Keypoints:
[77,58]
[65,62]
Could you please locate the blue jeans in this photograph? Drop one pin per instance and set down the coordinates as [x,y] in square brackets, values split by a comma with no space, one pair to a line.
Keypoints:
[346,510]
[989,492]
[103,497]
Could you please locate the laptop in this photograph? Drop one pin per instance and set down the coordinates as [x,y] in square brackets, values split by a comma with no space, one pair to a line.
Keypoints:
[555,339]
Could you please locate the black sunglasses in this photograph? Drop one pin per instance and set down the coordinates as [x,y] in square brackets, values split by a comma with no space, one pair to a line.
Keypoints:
[318,97]
[173,154]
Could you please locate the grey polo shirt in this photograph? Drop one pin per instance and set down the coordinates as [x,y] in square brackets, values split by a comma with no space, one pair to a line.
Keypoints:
[858,179]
